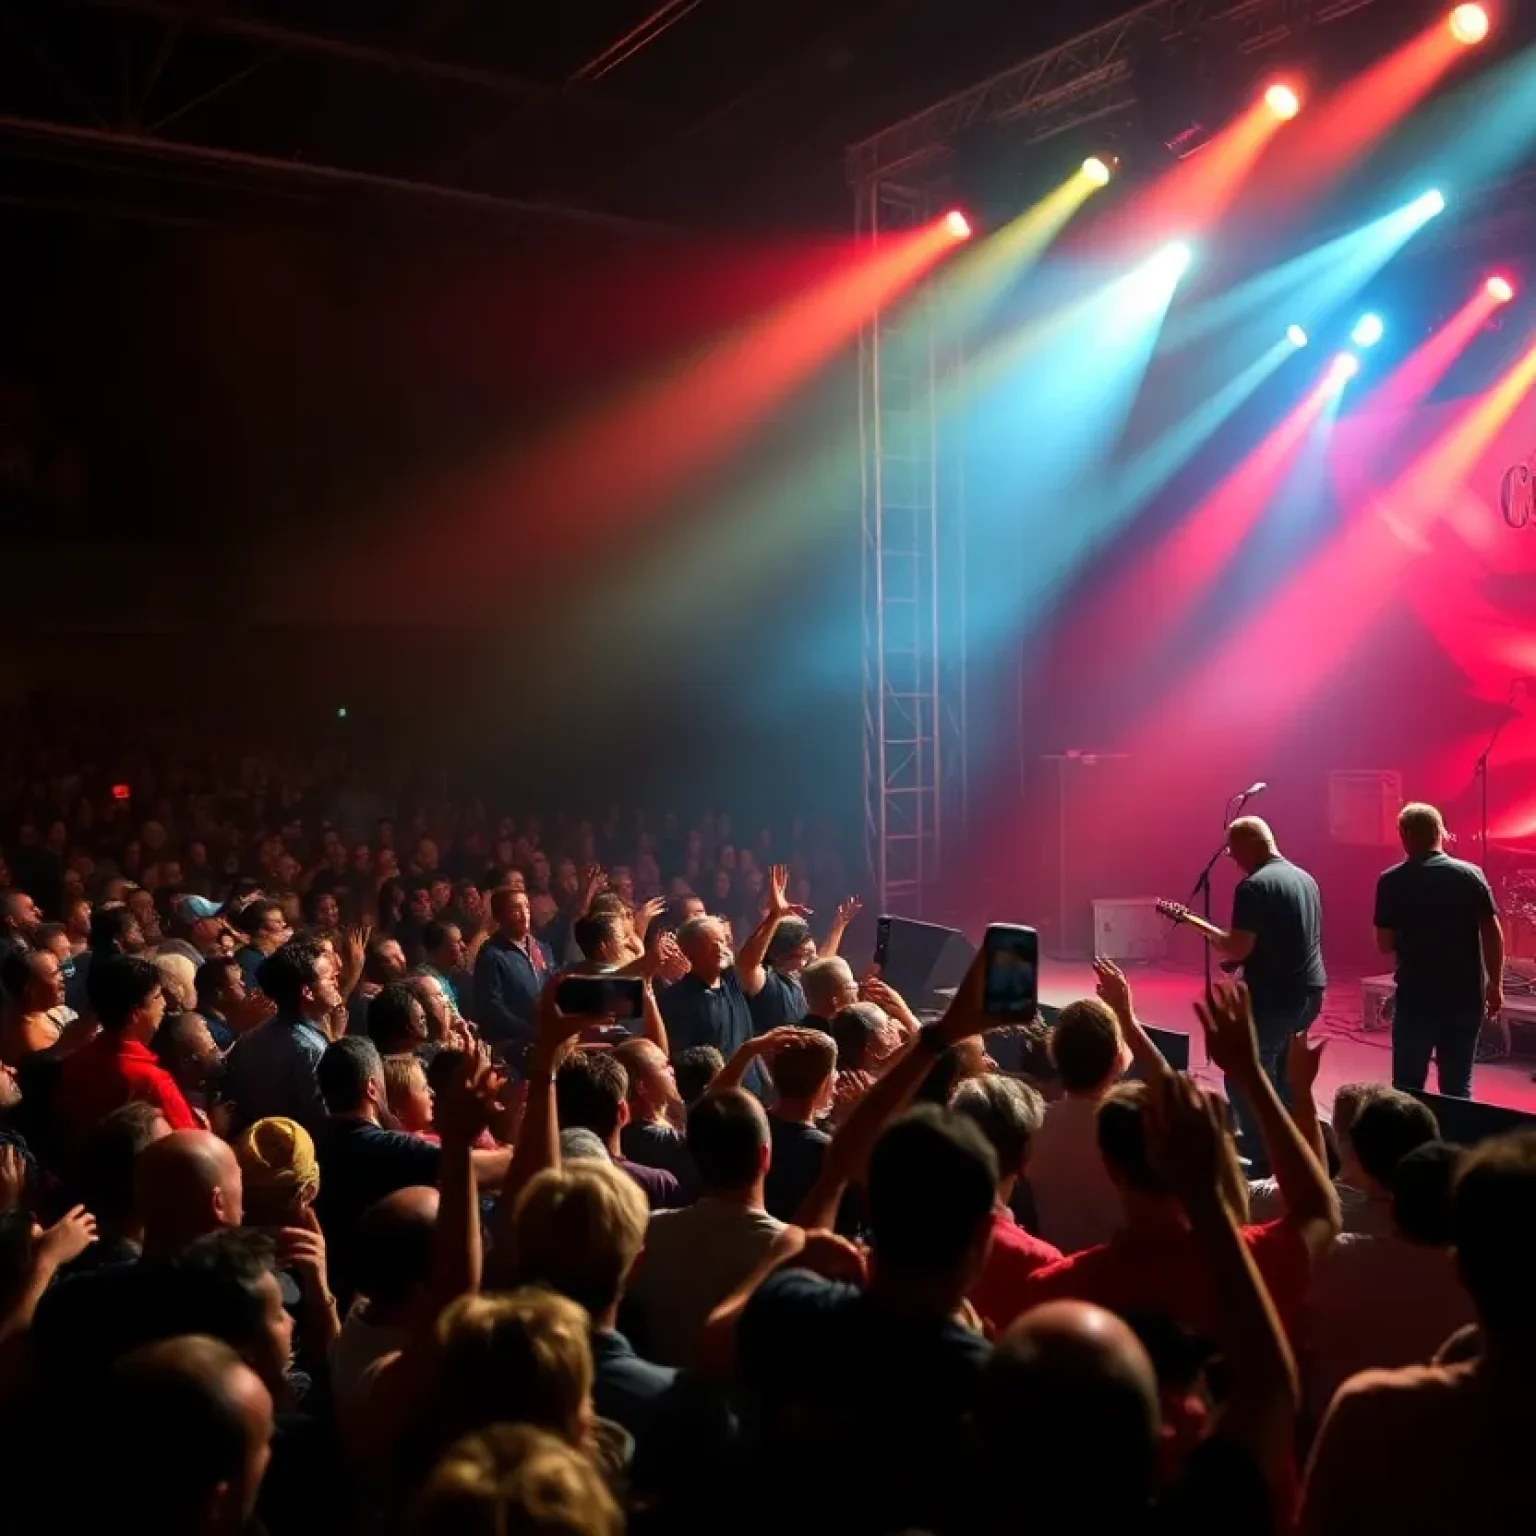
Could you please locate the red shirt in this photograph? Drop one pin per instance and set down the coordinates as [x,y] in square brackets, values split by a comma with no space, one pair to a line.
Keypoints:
[1167,1274]
[109,1072]
[998,1294]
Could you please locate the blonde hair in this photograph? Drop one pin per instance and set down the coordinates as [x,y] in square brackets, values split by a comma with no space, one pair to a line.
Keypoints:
[520,1358]
[580,1229]
[278,1167]
[1420,825]
[399,1077]
[178,979]
[515,1478]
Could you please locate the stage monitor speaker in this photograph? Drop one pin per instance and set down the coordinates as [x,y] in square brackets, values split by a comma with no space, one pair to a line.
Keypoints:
[922,958]
[1467,1122]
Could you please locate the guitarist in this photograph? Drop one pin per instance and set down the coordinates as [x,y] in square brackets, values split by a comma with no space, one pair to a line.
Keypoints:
[1276,936]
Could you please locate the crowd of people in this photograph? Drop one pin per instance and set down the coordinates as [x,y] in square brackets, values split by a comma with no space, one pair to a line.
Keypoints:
[323,1209]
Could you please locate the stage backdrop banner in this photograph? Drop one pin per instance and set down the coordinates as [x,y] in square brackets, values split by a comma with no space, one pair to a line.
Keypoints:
[1468,577]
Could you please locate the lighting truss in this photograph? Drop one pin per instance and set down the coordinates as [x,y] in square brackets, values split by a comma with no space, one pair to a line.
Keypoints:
[1087,78]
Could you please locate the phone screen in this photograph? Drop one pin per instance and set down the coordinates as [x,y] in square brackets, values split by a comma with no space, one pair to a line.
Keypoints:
[882,941]
[1012,955]
[622,997]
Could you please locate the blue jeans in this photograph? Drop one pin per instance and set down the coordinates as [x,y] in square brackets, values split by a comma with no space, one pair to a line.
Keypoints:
[1275,1020]
[1449,1035]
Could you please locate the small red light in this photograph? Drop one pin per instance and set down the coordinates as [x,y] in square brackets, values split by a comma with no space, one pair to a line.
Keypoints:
[121,792]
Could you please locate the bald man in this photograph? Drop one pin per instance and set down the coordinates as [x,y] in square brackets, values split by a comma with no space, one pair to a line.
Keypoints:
[1276,937]
[1071,1405]
[185,1185]
[196,1394]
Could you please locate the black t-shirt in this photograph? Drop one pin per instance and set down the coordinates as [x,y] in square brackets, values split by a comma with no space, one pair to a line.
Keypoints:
[360,1164]
[834,1379]
[663,1146]
[1436,906]
[719,1016]
[781,1001]
[1279,904]
[798,1152]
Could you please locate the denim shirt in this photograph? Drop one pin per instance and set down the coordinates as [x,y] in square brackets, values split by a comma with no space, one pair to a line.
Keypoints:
[272,1071]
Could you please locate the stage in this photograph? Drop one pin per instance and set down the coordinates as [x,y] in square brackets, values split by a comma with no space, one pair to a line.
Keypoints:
[1165,997]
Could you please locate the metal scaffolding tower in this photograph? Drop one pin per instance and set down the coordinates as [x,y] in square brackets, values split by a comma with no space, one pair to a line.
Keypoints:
[914,643]
[913,584]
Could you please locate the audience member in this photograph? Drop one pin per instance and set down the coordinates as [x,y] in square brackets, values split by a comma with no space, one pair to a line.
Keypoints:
[695,1257]
[592,1094]
[118,1065]
[1396,1447]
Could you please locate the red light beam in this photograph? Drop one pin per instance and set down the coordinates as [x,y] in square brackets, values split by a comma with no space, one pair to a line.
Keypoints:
[1331,137]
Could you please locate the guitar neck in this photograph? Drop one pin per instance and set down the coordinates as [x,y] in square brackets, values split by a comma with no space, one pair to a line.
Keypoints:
[1208,931]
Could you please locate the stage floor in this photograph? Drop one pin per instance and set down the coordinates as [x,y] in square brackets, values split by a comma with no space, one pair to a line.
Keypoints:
[1165,997]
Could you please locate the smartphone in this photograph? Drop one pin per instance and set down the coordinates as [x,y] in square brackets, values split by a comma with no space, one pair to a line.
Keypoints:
[882,941]
[622,997]
[1011,955]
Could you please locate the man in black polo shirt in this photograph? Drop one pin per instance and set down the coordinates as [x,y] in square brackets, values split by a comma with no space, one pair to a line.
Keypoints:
[1276,936]
[1436,914]
[708,1005]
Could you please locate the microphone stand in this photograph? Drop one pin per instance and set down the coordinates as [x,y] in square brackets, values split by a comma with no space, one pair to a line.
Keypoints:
[1480,773]
[1202,888]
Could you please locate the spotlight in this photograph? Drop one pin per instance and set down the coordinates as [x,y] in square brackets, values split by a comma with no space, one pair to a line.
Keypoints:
[1344,367]
[1175,258]
[1430,203]
[1368,331]
[1097,170]
[1469,24]
[1296,336]
[1499,289]
[957,225]
[1282,100]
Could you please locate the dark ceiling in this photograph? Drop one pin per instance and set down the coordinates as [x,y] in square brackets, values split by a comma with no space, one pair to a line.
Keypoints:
[677,110]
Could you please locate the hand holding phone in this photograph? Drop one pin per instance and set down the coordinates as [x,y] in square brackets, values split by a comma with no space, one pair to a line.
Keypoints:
[617,997]
[1011,953]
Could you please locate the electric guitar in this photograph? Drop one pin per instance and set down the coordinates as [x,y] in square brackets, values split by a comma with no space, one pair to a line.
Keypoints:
[1176,912]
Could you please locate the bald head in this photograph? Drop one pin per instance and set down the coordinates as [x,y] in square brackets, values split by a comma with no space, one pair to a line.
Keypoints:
[1251,843]
[1068,1395]
[393,1256]
[196,1394]
[186,1184]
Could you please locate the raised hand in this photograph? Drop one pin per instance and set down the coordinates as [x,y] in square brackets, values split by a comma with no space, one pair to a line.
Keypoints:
[301,1249]
[673,962]
[1303,1060]
[779,904]
[13,1176]
[1112,986]
[1226,1016]
[775,1040]
[1187,1136]
[647,914]
[68,1237]
[557,1029]
[848,909]
[593,880]
[354,941]
[833,1258]
[469,1099]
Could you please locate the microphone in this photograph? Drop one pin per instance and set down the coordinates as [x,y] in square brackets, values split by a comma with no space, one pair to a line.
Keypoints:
[1253,789]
